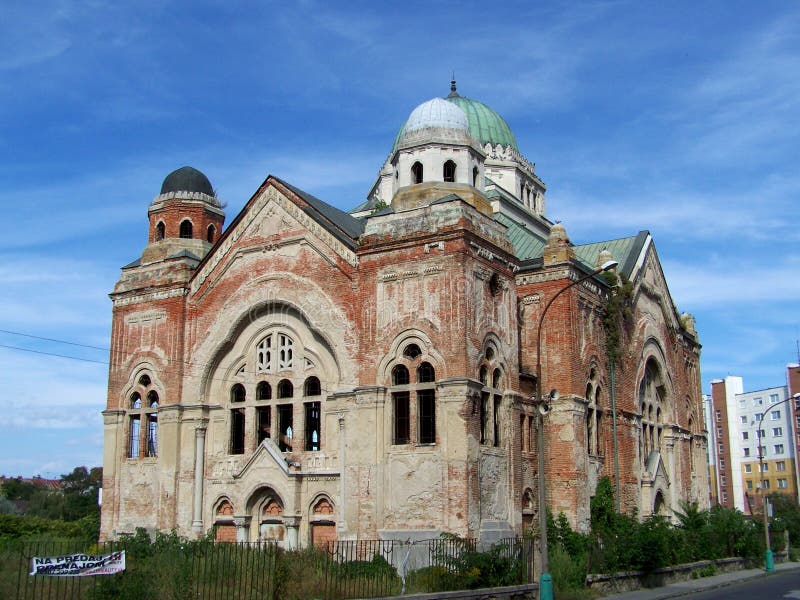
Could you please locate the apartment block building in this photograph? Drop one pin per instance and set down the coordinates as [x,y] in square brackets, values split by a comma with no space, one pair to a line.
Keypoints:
[753,440]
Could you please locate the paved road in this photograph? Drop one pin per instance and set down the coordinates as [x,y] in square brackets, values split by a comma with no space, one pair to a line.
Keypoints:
[780,585]
[752,584]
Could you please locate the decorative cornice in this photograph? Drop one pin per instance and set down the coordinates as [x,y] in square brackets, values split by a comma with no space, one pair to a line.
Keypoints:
[150,297]
[186,196]
[482,252]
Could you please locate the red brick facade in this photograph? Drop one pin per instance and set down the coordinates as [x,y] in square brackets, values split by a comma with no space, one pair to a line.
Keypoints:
[324,383]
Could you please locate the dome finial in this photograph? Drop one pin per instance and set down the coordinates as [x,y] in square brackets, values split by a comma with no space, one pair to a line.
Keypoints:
[453,93]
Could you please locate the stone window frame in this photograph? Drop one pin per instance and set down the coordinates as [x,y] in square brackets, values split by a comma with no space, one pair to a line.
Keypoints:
[142,401]
[653,401]
[270,387]
[413,356]
[492,377]
[594,412]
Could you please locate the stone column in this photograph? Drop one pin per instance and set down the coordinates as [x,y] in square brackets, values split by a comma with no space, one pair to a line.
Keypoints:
[341,521]
[199,469]
[292,525]
[242,523]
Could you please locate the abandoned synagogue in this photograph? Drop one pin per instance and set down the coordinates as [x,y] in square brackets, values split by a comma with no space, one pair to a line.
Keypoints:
[306,374]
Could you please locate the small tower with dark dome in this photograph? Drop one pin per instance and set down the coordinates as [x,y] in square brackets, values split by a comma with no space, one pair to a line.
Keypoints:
[185,216]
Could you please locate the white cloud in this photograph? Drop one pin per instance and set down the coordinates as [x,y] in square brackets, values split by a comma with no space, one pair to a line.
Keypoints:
[724,283]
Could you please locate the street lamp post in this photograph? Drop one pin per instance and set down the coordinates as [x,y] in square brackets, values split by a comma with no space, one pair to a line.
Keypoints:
[545,580]
[769,564]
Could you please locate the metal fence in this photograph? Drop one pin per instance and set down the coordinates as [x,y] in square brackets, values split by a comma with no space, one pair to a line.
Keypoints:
[205,570]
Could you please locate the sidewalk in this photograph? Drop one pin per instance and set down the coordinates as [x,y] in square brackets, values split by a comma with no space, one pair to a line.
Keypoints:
[683,588]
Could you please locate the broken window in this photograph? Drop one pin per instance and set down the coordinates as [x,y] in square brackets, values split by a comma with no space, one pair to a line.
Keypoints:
[312,387]
[312,425]
[263,391]
[491,398]
[135,433]
[152,423]
[484,417]
[143,420]
[264,421]
[400,375]
[426,400]
[237,431]
[449,171]
[238,393]
[186,229]
[285,389]
[416,172]
[160,231]
[285,424]
[402,418]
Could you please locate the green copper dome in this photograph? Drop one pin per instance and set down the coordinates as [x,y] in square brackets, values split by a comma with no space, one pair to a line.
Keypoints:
[485,124]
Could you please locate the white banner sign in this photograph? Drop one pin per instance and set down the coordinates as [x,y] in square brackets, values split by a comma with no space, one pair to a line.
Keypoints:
[79,565]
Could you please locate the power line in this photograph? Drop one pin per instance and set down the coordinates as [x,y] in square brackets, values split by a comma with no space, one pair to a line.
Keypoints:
[105,362]
[47,339]
[99,362]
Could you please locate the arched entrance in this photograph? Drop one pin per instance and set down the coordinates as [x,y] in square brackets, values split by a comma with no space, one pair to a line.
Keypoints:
[323,526]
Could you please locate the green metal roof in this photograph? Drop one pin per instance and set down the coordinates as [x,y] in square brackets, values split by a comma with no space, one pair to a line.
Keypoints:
[485,124]
[525,242]
[528,245]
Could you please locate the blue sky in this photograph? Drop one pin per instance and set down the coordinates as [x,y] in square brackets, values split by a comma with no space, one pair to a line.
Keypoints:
[681,118]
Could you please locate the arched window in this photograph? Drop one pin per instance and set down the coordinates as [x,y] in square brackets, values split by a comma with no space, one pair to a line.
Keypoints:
[491,398]
[186,229]
[312,387]
[160,231]
[152,423]
[238,393]
[416,172]
[400,375]
[412,351]
[425,373]
[449,171]
[652,399]
[285,389]
[594,415]
[474,176]
[210,232]
[135,427]
[264,355]
[143,419]
[285,351]
[423,411]
[263,391]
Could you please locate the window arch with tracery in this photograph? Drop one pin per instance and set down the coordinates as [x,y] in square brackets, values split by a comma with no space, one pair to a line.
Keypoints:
[142,409]
[413,392]
[652,404]
[490,374]
[287,403]
[594,414]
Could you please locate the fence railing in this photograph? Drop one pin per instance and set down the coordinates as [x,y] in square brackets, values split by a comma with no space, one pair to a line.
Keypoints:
[205,570]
